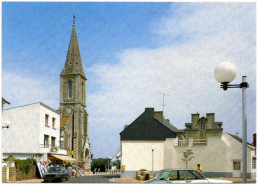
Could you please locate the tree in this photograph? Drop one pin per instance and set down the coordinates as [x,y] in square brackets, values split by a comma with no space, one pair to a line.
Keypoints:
[187,156]
[99,163]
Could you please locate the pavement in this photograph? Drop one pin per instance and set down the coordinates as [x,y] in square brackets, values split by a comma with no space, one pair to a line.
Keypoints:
[115,178]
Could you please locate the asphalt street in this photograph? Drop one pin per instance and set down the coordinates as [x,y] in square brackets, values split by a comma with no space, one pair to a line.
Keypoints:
[93,179]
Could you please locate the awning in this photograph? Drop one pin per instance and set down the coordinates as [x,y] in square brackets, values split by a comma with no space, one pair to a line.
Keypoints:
[64,158]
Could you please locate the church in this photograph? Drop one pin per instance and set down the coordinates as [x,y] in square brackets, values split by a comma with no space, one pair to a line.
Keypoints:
[74,117]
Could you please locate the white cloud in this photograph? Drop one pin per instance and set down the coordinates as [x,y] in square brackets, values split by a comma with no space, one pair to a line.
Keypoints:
[20,88]
[182,68]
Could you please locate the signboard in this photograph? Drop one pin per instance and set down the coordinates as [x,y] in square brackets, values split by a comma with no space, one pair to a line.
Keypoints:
[70,152]
[123,167]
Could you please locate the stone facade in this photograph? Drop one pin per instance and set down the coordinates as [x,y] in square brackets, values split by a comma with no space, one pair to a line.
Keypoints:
[202,127]
[74,117]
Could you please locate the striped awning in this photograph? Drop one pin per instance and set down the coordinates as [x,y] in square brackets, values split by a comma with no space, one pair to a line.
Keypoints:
[64,158]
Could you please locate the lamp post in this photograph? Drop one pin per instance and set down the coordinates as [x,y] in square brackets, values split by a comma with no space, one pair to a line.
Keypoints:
[153,147]
[224,74]
[61,142]
[108,163]
[7,124]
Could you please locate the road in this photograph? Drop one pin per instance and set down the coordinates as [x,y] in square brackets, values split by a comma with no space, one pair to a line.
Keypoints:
[93,179]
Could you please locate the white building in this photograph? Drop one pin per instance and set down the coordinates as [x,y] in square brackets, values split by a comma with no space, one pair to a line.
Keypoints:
[34,132]
[152,143]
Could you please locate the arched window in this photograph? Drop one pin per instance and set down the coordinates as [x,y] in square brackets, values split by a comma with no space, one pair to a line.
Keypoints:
[70,89]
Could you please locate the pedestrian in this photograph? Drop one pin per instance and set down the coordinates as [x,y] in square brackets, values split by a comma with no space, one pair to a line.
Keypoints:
[199,168]
[69,169]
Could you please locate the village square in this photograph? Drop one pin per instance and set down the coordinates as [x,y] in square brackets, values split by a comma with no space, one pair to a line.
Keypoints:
[167,108]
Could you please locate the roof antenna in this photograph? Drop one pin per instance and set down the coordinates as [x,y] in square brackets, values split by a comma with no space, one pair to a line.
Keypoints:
[74,19]
[163,100]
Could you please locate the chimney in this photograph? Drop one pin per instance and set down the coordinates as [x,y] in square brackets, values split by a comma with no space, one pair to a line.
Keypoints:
[149,111]
[254,140]
[159,116]
[195,118]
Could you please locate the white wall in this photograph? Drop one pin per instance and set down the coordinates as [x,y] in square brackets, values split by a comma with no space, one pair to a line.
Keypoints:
[23,134]
[44,130]
[26,133]
[216,156]
[137,155]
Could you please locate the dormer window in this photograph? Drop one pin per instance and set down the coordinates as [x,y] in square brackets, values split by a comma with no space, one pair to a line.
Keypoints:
[70,90]
[203,126]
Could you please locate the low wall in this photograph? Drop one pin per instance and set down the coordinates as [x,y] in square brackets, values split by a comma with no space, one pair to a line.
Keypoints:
[22,175]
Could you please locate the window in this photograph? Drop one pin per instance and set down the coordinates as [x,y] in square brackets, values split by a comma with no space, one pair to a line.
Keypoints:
[70,89]
[53,123]
[46,120]
[203,126]
[46,141]
[236,165]
[53,141]
[254,163]
[193,175]
[176,175]
[188,126]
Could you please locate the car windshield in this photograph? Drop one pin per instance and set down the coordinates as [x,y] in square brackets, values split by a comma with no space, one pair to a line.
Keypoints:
[158,175]
[193,175]
[55,169]
[163,175]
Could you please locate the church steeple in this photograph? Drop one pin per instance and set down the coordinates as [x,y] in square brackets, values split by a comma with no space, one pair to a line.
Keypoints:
[73,64]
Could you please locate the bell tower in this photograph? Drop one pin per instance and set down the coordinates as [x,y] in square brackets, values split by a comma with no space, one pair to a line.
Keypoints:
[74,117]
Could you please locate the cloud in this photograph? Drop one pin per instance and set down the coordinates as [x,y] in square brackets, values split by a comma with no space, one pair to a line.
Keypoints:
[21,88]
[194,38]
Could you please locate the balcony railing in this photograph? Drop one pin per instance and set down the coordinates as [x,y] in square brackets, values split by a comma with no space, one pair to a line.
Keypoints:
[194,142]
[181,143]
[199,142]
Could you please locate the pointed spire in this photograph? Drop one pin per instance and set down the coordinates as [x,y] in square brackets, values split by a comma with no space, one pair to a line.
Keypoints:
[73,64]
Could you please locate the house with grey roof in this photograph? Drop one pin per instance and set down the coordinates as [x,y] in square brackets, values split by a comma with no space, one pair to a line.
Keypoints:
[151,142]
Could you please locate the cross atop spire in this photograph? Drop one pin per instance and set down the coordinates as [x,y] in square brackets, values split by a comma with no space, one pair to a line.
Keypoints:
[74,19]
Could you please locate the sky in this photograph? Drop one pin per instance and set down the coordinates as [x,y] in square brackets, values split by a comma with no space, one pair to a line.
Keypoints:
[131,54]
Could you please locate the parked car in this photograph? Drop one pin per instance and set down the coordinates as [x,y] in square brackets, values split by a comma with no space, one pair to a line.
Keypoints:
[56,173]
[183,176]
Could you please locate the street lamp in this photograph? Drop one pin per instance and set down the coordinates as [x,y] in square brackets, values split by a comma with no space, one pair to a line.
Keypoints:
[108,162]
[224,74]
[7,124]
[153,147]
[61,141]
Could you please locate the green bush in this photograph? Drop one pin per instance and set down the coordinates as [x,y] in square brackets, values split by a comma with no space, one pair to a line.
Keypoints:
[25,165]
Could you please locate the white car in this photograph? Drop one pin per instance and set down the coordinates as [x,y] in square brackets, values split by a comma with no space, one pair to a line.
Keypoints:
[183,176]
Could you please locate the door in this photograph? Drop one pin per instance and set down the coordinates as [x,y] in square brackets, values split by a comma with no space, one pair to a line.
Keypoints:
[236,169]
[176,176]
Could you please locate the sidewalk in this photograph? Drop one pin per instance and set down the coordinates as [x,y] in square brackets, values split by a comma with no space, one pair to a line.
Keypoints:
[30,181]
[125,180]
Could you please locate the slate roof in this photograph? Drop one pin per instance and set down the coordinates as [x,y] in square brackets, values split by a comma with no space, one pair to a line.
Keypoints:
[171,127]
[146,127]
[240,140]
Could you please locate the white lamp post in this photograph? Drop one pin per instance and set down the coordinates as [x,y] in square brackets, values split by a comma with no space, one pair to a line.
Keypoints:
[7,124]
[61,141]
[153,147]
[224,74]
